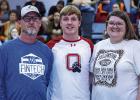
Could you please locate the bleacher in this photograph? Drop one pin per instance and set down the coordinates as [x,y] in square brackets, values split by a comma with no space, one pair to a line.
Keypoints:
[99,24]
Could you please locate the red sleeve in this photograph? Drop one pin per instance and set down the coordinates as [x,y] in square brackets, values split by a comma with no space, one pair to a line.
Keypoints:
[51,43]
[90,43]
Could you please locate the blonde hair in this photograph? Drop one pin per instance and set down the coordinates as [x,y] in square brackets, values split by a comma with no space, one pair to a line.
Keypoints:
[69,10]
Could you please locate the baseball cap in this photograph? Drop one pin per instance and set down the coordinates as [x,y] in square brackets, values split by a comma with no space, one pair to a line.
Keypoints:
[29,8]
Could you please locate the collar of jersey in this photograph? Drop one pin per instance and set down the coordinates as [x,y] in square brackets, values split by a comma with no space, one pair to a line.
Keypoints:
[72,40]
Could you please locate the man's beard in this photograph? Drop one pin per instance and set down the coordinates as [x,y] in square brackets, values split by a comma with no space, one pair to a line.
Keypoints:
[30,31]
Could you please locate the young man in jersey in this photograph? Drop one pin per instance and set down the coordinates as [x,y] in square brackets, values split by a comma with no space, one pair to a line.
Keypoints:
[72,53]
[25,63]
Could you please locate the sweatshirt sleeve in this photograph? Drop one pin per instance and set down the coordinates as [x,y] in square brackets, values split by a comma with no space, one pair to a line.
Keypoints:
[2,76]
[50,64]
[50,86]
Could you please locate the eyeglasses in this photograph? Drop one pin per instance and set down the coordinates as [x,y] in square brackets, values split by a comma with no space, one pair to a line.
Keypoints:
[29,18]
[115,23]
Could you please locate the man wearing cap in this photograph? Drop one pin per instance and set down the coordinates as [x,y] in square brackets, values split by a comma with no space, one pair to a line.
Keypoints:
[25,63]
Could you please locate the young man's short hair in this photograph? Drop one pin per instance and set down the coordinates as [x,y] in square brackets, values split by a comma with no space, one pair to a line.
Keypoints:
[70,9]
